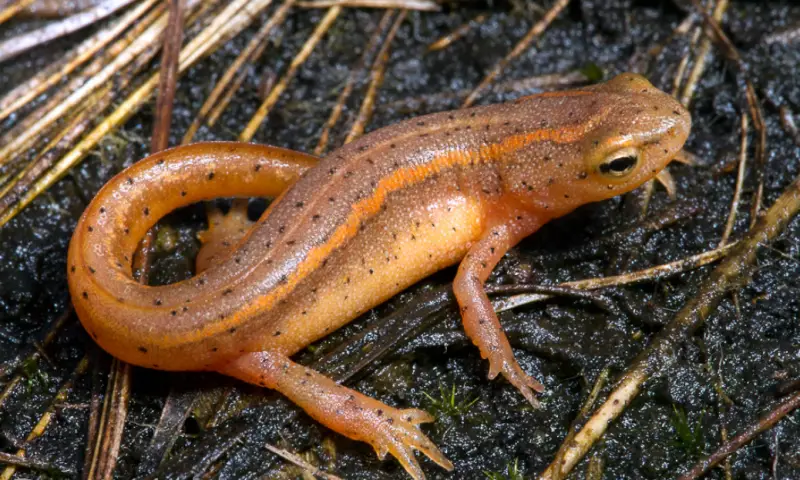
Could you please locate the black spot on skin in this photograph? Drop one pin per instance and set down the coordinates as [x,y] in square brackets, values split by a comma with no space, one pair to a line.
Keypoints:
[282,228]
[420,123]
[185,308]
[91,229]
[566,195]
[392,146]
[290,242]
[371,271]
[72,269]
[142,349]
[211,175]
[413,237]
[227,291]
[348,174]
[214,349]
[277,334]
[146,211]
[160,162]
[102,209]
[232,330]
[157,301]
[315,217]
[547,158]
[183,193]
[331,199]
[237,260]
[551,181]
[173,313]
[85,295]
[257,167]
[92,270]
[283,279]
[127,231]
[582,175]
[130,181]
[371,161]
[298,205]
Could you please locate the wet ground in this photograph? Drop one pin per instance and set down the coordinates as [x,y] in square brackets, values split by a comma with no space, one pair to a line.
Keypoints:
[745,352]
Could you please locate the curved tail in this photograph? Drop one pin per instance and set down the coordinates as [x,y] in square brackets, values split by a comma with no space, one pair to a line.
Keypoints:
[146,325]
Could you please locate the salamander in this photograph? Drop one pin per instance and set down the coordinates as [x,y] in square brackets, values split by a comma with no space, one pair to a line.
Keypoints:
[351,230]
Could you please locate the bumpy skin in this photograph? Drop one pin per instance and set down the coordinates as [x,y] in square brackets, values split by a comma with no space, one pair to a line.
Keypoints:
[369,220]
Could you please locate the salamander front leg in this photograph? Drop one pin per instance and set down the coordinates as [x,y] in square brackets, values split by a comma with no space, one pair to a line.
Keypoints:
[477,314]
[387,429]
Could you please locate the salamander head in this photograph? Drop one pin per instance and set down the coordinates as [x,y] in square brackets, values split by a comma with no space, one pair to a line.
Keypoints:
[643,131]
[596,143]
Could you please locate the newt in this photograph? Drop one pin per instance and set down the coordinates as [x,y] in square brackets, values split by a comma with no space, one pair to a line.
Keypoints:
[349,231]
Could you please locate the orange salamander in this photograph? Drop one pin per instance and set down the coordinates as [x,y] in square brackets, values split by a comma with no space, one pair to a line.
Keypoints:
[351,230]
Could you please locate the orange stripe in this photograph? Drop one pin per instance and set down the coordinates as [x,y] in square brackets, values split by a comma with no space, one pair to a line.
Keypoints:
[399,179]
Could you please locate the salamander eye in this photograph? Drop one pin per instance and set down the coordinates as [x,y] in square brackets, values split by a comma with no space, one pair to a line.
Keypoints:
[620,163]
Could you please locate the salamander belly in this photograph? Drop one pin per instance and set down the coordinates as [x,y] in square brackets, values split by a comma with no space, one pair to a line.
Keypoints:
[422,230]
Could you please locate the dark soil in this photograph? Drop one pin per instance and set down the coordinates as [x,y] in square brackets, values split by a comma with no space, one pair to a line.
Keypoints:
[749,347]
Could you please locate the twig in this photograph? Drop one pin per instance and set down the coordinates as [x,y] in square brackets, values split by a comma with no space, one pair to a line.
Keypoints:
[737,193]
[297,61]
[648,274]
[376,79]
[518,49]
[737,442]
[756,113]
[732,273]
[173,37]
[295,459]
[47,468]
[599,383]
[423,5]
[700,58]
[457,34]
[22,43]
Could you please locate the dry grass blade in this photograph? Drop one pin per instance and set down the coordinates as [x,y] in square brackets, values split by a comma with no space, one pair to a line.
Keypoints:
[756,112]
[168,80]
[115,405]
[765,423]
[700,58]
[648,274]
[732,273]
[22,43]
[423,5]
[297,61]
[45,468]
[295,459]
[103,458]
[376,79]
[737,193]
[218,99]
[227,23]
[457,34]
[139,45]
[518,49]
[336,112]
[42,81]
[47,417]
[14,8]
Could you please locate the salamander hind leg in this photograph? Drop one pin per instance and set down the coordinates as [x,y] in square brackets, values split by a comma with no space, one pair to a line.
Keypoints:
[224,232]
[480,321]
[354,415]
